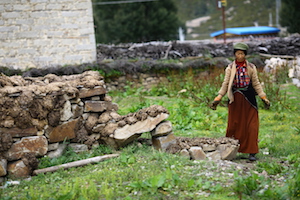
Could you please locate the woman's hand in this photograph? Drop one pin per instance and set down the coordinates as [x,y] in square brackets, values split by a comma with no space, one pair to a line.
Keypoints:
[215,103]
[266,102]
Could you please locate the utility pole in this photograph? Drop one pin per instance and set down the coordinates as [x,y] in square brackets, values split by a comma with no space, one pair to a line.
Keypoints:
[278,5]
[222,4]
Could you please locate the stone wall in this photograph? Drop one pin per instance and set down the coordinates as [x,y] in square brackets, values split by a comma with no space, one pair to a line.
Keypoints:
[159,50]
[38,115]
[39,33]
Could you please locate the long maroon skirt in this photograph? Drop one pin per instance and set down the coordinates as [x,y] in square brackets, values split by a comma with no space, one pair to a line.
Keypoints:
[243,123]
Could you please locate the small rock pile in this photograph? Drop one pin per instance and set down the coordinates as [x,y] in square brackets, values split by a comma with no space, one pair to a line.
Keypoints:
[205,148]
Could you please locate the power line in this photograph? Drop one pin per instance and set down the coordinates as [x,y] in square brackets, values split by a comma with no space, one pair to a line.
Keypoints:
[121,2]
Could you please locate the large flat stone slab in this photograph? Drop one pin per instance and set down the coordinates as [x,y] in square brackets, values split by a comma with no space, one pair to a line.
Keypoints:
[139,127]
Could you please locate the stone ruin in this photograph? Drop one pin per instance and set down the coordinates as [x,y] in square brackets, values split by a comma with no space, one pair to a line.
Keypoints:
[37,116]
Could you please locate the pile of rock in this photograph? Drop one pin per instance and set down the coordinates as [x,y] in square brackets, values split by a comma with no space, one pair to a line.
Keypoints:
[205,148]
[37,116]
[223,148]
[276,63]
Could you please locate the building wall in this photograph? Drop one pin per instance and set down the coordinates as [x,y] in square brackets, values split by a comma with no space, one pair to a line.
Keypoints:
[40,33]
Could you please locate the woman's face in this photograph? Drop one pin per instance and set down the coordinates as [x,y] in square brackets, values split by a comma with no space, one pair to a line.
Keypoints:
[240,55]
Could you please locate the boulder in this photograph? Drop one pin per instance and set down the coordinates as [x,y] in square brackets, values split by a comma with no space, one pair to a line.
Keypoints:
[228,152]
[98,106]
[77,148]
[37,145]
[129,132]
[90,92]
[197,153]
[18,169]
[57,152]
[63,132]
[3,167]
[185,153]
[162,143]
[164,128]
[214,155]
[17,132]
[66,112]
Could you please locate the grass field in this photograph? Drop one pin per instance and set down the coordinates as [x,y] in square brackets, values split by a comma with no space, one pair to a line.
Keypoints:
[140,172]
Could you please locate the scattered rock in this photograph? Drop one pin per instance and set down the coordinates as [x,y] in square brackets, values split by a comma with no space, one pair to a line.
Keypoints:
[197,153]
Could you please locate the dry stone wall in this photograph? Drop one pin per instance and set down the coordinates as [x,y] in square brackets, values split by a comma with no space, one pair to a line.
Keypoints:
[159,50]
[39,33]
[37,116]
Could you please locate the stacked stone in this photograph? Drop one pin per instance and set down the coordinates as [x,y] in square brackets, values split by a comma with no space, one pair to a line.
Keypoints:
[37,116]
[158,50]
[205,148]
[163,136]
[121,130]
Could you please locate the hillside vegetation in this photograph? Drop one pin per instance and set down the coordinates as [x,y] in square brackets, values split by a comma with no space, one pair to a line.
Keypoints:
[239,13]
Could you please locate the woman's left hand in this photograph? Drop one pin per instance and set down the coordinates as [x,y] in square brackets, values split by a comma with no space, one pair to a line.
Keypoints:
[266,102]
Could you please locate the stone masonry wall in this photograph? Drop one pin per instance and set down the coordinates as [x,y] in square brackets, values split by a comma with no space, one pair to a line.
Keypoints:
[42,116]
[38,33]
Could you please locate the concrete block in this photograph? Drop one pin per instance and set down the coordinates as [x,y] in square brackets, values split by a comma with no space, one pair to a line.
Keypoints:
[10,60]
[54,6]
[70,13]
[21,7]
[7,15]
[43,59]
[69,26]
[38,14]
[85,47]
[28,34]
[8,28]
[86,31]
[38,1]
[39,6]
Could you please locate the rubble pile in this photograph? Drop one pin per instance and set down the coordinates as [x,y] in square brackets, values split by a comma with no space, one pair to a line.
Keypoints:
[201,148]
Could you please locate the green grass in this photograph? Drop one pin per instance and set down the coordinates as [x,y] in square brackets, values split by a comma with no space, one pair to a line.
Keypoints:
[140,172]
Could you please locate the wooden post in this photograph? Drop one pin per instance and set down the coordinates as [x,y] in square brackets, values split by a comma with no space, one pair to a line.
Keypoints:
[78,163]
[224,24]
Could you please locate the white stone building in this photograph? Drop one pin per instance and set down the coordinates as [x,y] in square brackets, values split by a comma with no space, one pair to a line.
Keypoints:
[41,33]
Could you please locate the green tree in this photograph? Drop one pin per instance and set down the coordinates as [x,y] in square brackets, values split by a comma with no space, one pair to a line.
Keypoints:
[290,15]
[136,22]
